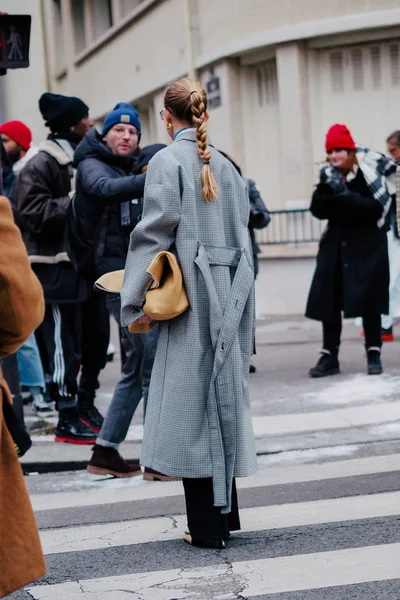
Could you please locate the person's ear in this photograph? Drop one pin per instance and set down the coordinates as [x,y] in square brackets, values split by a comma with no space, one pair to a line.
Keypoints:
[167,118]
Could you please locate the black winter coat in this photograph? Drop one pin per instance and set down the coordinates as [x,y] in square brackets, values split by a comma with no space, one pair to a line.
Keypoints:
[259,218]
[40,201]
[352,262]
[107,202]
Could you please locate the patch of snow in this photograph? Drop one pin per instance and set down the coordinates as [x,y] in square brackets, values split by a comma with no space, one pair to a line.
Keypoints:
[360,389]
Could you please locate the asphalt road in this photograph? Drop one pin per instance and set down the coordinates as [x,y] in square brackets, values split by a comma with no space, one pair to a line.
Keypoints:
[320,520]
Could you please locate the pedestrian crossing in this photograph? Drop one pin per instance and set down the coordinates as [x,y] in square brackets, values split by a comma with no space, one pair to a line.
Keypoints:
[325,530]
[242,579]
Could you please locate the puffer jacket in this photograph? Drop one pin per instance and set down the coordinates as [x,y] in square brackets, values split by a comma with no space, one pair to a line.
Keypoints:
[107,204]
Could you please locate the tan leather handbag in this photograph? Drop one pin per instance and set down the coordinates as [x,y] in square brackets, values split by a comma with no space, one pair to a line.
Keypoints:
[166,297]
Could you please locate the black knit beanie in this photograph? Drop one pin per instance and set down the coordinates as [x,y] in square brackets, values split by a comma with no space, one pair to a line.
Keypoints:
[62,112]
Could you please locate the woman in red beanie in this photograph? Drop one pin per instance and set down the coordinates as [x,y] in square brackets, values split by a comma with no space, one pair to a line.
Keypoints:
[352,272]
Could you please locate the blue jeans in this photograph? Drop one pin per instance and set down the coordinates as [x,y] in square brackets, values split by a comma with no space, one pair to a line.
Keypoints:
[140,350]
[30,365]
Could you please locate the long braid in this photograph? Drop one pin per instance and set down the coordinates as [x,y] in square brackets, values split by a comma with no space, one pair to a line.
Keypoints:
[187,100]
[209,185]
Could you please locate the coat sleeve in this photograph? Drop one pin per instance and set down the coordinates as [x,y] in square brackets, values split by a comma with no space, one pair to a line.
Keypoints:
[357,206]
[21,295]
[39,210]
[344,207]
[321,205]
[96,182]
[259,215]
[154,233]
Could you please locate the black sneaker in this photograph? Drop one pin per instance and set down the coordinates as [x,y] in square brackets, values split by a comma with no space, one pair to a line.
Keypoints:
[374,362]
[327,365]
[252,369]
[71,430]
[88,413]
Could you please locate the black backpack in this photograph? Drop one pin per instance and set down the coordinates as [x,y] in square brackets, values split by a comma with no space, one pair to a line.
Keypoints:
[82,251]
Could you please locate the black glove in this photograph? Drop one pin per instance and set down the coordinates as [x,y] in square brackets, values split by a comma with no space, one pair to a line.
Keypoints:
[332,189]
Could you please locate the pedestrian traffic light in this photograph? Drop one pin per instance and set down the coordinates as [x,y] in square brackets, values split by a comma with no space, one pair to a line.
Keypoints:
[15,33]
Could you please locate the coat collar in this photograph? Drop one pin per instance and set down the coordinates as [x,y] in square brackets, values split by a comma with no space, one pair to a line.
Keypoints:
[190,136]
[55,151]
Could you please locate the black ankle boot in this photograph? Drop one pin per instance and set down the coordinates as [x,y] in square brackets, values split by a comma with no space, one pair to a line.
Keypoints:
[328,364]
[374,361]
[88,413]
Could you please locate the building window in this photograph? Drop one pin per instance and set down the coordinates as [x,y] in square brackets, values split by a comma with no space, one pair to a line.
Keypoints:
[128,6]
[394,55]
[337,72]
[267,83]
[59,45]
[102,16]
[376,67]
[358,68]
[78,19]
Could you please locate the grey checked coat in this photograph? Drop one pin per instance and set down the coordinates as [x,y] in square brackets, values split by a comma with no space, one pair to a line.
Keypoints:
[198,421]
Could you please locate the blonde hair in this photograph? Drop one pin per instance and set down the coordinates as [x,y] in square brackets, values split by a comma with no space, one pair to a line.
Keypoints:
[186,100]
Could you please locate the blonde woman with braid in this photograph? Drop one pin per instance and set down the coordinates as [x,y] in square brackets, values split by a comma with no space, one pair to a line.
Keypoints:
[198,423]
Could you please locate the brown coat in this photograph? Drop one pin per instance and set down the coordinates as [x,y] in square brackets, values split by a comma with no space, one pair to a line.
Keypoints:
[21,311]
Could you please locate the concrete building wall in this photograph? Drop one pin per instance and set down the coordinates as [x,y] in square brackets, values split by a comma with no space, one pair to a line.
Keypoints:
[228,22]
[286,71]
[143,57]
[282,285]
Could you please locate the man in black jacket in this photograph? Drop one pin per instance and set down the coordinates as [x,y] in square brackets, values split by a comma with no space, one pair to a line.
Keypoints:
[41,197]
[107,207]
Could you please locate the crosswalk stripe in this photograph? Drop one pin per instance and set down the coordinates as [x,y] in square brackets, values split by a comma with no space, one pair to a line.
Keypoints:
[342,418]
[248,578]
[295,423]
[262,518]
[129,490]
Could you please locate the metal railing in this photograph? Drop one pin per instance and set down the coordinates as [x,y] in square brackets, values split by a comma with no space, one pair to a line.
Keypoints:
[291,227]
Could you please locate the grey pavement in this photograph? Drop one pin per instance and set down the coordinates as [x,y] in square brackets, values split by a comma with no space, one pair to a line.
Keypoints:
[320,519]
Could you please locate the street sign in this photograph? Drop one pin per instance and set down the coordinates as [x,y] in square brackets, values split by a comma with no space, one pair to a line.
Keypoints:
[213,92]
[15,33]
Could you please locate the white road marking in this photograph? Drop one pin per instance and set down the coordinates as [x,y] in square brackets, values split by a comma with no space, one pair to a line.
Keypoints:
[111,491]
[249,578]
[262,518]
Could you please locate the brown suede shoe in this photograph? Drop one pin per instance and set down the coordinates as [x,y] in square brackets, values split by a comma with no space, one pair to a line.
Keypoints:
[151,475]
[108,461]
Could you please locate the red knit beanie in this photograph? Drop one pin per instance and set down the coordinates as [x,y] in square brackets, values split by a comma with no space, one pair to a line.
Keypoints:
[339,136]
[18,132]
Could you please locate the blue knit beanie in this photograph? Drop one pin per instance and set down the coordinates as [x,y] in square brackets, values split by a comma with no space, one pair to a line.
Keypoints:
[122,113]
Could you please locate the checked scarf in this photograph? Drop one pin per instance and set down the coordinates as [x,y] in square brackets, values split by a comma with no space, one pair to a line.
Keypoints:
[379,173]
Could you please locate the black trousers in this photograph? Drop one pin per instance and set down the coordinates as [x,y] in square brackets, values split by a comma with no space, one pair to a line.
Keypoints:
[59,341]
[95,340]
[205,520]
[332,331]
